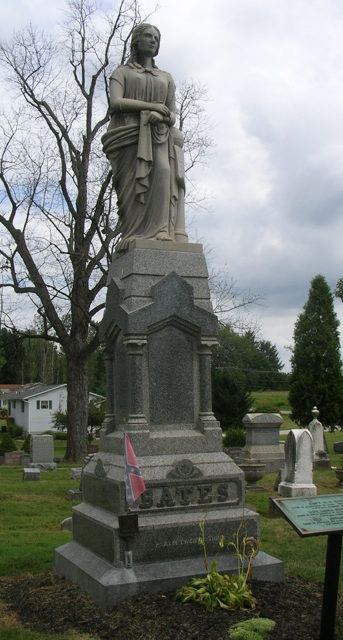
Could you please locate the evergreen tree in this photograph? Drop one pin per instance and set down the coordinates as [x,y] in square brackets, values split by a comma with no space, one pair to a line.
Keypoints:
[249,360]
[231,401]
[316,377]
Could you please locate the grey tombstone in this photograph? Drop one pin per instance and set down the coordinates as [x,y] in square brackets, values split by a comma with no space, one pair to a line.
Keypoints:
[75,472]
[158,330]
[298,475]
[75,494]
[31,473]
[320,456]
[42,452]
[338,447]
[263,439]
[66,524]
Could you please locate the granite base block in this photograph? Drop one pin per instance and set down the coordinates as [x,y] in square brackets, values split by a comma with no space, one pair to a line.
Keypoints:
[293,490]
[31,473]
[44,466]
[108,585]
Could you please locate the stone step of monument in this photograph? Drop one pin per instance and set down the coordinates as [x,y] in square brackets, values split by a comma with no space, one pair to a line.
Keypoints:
[108,585]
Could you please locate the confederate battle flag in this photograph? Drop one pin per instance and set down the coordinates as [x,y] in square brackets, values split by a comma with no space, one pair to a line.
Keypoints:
[134,482]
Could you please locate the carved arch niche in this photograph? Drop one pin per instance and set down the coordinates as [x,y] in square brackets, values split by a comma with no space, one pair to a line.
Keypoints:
[173,371]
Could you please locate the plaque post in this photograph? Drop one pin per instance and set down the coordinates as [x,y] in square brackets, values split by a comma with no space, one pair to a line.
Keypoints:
[333,560]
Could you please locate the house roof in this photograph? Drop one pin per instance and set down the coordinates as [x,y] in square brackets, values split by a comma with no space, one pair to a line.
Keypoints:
[10,387]
[32,391]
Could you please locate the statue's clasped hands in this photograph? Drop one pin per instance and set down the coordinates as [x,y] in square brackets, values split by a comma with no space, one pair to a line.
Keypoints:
[160,114]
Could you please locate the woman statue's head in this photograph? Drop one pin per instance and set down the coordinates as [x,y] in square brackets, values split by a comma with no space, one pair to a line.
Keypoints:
[137,40]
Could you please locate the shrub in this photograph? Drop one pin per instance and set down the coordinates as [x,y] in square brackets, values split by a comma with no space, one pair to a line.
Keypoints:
[26,444]
[60,435]
[49,432]
[234,438]
[15,430]
[7,444]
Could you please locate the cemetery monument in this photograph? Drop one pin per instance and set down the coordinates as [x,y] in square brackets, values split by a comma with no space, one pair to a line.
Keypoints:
[298,474]
[158,331]
[321,459]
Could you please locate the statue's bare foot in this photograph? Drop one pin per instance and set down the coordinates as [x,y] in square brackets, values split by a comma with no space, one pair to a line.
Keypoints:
[163,236]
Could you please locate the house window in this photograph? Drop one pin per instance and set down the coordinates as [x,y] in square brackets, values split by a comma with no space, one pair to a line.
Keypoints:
[44,404]
[22,406]
[14,404]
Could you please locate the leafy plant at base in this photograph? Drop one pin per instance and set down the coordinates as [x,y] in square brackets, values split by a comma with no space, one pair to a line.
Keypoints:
[254,629]
[215,589]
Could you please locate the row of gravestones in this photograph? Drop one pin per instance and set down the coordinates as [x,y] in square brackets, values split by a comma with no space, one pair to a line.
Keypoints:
[304,449]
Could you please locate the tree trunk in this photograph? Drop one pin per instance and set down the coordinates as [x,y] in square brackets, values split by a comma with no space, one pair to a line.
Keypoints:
[77,408]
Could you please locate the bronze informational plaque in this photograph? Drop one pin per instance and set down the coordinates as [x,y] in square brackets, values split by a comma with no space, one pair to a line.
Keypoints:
[313,516]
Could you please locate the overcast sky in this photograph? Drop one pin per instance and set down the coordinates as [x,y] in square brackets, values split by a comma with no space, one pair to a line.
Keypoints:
[274,74]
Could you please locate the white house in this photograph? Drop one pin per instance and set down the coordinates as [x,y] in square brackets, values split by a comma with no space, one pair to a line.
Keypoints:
[33,407]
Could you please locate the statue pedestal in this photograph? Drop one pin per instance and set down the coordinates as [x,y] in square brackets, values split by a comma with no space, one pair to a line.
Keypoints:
[158,330]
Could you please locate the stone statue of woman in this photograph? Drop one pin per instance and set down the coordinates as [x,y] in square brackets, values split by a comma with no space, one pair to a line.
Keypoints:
[143,146]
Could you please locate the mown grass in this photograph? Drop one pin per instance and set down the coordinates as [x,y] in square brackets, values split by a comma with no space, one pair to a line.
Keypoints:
[270,401]
[30,516]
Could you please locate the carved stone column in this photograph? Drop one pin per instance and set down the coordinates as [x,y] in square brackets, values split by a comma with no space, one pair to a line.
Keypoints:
[109,423]
[135,350]
[205,388]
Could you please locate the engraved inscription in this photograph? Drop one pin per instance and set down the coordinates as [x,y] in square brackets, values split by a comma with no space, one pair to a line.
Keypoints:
[320,513]
[183,495]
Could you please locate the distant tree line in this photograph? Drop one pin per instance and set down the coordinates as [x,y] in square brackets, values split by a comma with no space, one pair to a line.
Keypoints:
[242,363]
[25,359]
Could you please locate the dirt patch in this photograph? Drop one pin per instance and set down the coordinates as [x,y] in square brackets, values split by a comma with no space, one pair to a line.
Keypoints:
[51,604]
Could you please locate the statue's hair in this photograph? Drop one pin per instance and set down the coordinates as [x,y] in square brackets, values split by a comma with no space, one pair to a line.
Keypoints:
[137,31]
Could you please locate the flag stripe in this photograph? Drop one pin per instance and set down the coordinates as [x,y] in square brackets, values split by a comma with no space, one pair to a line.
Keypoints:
[134,482]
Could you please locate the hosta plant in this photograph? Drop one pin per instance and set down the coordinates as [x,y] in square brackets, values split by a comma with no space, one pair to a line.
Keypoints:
[215,589]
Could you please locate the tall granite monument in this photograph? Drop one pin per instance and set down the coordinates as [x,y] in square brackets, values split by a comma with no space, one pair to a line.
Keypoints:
[158,331]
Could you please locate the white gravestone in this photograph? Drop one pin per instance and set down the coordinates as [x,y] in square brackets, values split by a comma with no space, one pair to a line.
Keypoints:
[298,474]
[320,457]
[42,452]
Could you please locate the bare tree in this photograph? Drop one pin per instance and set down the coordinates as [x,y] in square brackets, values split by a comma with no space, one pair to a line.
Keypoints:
[192,120]
[230,303]
[57,206]
[56,200]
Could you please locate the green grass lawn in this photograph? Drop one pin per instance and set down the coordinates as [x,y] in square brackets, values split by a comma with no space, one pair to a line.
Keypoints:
[270,401]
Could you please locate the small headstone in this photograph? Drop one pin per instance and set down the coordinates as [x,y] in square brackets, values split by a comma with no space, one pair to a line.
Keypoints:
[338,447]
[13,457]
[263,439]
[298,475]
[42,452]
[31,473]
[75,472]
[75,494]
[67,524]
[320,457]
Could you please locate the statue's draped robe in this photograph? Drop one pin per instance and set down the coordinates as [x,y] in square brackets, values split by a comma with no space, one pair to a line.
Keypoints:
[146,159]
